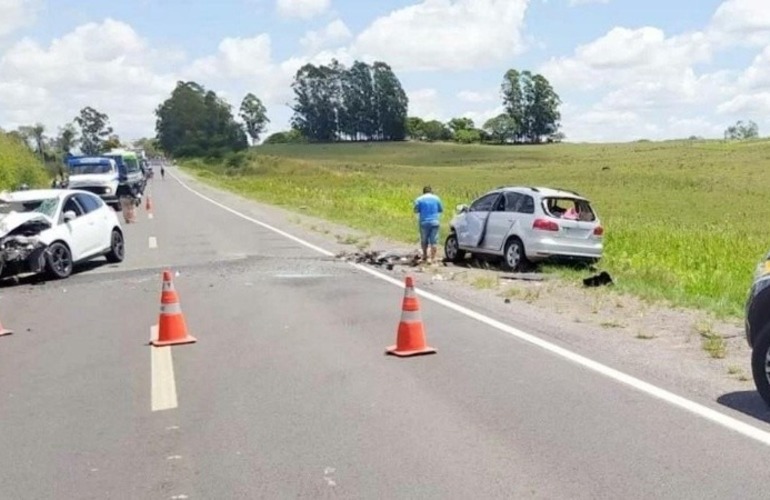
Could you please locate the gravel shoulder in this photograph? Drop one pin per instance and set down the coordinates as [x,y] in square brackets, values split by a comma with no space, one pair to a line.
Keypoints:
[685,351]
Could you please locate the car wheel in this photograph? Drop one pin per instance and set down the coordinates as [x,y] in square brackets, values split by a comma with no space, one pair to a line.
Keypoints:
[59,259]
[514,258]
[117,248]
[760,364]
[452,250]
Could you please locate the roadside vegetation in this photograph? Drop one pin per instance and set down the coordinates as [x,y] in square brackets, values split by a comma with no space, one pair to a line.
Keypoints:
[683,218]
[19,165]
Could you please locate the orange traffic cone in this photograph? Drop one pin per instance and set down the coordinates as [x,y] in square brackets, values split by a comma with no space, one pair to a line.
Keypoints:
[411,333]
[148,205]
[172,328]
[4,331]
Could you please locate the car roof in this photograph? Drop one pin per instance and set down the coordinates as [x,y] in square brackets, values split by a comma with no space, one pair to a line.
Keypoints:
[38,194]
[544,191]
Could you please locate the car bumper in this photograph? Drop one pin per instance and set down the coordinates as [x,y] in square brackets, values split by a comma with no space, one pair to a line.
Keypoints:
[14,264]
[543,248]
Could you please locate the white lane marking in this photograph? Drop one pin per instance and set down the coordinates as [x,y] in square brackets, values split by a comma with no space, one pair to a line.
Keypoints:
[163,382]
[150,215]
[696,408]
[153,242]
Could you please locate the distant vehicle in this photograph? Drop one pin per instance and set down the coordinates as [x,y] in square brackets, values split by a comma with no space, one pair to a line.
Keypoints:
[132,177]
[522,225]
[96,174]
[53,230]
[757,325]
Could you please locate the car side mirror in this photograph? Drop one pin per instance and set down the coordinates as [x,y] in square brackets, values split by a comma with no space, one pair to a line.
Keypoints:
[462,208]
[69,215]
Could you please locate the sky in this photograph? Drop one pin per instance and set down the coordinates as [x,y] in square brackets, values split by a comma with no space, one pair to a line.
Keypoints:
[625,69]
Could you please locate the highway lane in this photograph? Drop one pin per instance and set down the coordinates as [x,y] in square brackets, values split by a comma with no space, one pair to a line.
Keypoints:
[288,394]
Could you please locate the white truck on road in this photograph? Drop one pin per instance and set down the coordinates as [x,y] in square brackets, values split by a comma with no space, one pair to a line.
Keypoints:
[96,174]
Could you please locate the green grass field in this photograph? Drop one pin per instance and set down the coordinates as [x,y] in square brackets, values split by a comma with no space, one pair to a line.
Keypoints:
[685,220]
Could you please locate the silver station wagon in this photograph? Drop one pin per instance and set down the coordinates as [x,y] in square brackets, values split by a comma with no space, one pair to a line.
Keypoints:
[523,225]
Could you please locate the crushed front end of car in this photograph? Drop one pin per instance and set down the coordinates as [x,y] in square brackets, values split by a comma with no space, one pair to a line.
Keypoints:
[21,249]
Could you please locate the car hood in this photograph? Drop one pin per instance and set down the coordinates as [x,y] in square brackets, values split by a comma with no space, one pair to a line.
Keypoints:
[14,220]
[91,179]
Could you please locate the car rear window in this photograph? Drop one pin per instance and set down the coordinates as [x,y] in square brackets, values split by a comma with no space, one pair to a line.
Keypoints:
[564,207]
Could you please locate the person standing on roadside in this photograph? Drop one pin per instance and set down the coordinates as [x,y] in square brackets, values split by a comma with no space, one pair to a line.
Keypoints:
[429,210]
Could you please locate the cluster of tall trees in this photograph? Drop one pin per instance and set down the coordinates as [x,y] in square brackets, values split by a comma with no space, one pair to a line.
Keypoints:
[363,102]
[741,131]
[195,122]
[335,103]
[531,116]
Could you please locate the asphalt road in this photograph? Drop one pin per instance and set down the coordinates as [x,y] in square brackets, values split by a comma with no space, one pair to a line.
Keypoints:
[287,393]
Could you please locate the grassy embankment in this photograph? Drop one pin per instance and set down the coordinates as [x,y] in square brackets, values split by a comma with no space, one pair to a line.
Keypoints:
[19,166]
[685,220]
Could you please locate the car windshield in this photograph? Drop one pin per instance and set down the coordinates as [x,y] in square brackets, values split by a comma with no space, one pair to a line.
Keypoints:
[569,208]
[46,206]
[90,168]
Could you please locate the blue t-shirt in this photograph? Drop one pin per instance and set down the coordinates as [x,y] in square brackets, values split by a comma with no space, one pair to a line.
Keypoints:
[429,207]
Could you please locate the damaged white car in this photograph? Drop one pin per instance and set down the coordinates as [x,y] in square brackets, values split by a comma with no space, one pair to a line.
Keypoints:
[522,225]
[52,230]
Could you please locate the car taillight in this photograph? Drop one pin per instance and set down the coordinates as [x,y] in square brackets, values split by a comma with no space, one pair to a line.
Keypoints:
[545,225]
[598,231]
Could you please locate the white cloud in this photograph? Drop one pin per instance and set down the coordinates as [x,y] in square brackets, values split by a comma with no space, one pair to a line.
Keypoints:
[334,33]
[752,105]
[446,34]
[757,76]
[651,81]
[303,9]
[425,103]
[236,58]
[474,97]
[741,22]
[105,65]
[16,14]
[624,56]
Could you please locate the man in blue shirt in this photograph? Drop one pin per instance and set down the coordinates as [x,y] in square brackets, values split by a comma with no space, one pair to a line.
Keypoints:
[429,208]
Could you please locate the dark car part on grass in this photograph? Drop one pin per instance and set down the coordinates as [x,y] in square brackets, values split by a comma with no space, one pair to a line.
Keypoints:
[757,325]
[601,279]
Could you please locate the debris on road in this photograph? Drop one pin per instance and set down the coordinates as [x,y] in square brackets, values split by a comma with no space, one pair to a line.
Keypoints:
[387,259]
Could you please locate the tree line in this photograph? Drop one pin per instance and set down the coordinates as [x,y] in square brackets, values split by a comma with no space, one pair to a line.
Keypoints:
[332,103]
[89,132]
[335,103]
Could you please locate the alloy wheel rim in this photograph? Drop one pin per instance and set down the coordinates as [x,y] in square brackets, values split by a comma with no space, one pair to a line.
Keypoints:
[60,260]
[117,244]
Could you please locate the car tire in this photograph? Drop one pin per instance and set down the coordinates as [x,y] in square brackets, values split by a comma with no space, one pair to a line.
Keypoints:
[117,250]
[514,258]
[59,261]
[760,364]
[452,250]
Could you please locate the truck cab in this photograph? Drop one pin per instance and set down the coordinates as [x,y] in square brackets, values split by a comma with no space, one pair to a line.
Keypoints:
[97,174]
[132,179]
